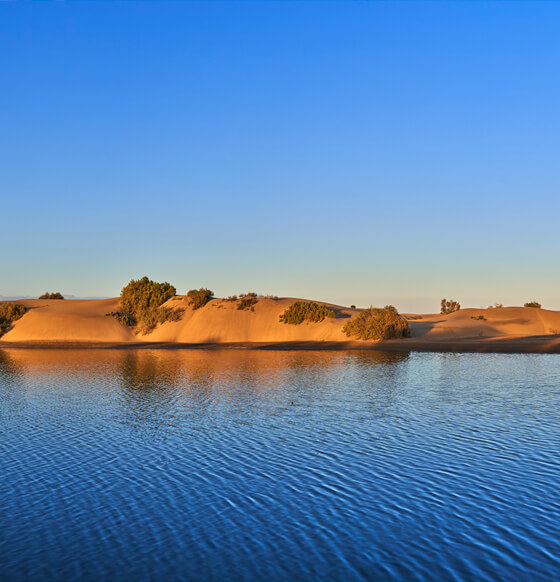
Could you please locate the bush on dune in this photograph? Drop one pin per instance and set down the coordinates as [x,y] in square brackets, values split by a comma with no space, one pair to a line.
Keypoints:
[198,298]
[377,323]
[247,301]
[47,295]
[141,302]
[145,293]
[449,306]
[301,311]
[10,312]
[150,318]
[123,318]
[535,304]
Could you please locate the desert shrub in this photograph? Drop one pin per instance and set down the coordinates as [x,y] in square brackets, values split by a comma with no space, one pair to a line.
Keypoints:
[247,301]
[143,293]
[535,304]
[10,312]
[198,298]
[377,323]
[122,317]
[481,317]
[142,302]
[449,306]
[47,295]
[231,298]
[273,297]
[496,306]
[150,318]
[352,307]
[301,311]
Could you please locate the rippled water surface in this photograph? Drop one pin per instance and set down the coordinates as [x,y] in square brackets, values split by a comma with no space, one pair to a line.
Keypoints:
[253,465]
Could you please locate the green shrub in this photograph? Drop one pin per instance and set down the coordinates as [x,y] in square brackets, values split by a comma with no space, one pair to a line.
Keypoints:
[247,301]
[533,304]
[377,323]
[150,318]
[481,317]
[10,312]
[198,298]
[449,306]
[48,295]
[301,311]
[231,298]
[142,302]
[123,318]
[143,293]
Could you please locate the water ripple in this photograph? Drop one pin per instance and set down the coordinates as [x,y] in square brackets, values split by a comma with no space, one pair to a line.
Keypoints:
[234,465]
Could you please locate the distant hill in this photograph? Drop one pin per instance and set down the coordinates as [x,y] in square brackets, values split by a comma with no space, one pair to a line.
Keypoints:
[18,297]
[15,297]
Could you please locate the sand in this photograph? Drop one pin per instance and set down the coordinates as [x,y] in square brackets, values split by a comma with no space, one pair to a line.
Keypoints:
[54,320]
[74,323]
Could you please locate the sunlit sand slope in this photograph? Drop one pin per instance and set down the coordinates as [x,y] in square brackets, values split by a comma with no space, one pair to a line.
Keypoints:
[68,320]
[502,322]
[220,321]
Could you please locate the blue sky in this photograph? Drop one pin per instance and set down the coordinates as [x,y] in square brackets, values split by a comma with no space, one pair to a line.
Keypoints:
[365,153]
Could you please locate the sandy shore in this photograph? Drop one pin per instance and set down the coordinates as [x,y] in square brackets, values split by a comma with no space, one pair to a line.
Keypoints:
[83,324]
[529,345]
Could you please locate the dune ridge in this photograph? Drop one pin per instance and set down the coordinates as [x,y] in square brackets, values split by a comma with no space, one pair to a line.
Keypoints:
[219,323]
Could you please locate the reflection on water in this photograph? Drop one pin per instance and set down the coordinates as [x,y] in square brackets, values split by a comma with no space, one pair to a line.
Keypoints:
[263,465]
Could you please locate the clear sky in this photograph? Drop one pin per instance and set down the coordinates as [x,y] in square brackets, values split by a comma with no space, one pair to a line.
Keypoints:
[365,153]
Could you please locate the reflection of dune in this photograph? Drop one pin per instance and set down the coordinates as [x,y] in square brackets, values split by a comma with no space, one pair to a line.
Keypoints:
[150,380]
[10,369]
[71,323]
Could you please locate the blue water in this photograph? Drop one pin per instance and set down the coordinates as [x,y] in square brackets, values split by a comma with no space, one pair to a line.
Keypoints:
[195,465]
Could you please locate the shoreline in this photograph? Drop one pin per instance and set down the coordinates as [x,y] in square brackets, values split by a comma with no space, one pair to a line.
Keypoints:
[83,324]
[545,344]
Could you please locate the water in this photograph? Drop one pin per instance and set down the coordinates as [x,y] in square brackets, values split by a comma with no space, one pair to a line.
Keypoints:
[195,465]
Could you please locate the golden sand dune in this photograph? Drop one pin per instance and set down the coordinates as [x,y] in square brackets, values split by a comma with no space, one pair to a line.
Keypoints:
[506,329]
[53,320]
[72,322]
[220,321]
[502,322]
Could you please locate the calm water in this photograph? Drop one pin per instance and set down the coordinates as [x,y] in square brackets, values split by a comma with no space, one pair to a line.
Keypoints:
[194,465]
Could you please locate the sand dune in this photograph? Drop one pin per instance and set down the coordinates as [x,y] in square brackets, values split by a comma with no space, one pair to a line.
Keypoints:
[54,320]
[219,322]
[502,322]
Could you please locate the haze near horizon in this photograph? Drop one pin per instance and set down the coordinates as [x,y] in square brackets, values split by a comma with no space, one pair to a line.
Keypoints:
[359,153]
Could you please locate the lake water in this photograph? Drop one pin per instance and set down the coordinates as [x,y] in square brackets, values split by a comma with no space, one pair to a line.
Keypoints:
[260,465]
